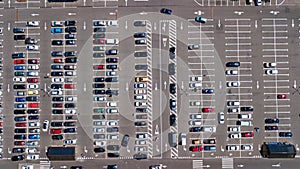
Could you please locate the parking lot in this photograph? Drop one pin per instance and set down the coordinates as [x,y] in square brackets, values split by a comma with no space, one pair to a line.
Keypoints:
[134,87]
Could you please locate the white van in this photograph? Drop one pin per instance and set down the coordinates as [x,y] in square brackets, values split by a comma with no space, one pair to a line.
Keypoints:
[112,41]
[244,123]
[183,140]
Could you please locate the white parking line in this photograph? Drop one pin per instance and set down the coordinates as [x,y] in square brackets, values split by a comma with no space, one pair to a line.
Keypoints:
[276,105]
[237,37]
[276,37]
[272,56]
[281,112]
[276,81]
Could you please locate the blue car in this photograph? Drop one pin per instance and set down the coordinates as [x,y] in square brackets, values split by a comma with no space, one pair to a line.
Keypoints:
[207,91]
[18,67]
[20,106]
[140,35]
[166,11]
[285,134]
[269,121]
[56,30]
[20,99]
[209,148]
[200,19]
[34,136]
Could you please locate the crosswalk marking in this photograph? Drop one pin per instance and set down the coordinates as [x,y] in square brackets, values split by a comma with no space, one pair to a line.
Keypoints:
[227,163]
[45,164]
[197,164]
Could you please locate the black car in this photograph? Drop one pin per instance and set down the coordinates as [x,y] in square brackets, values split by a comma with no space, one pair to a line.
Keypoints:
[20,137]
[70,53]
[69,124]
[99,85]
[19,37]
[70,130]
[36,117]
[141,110]
[101,29]
[18,55]
[57,73]
[111,67]
[56,53]
[112,129]
[19,86]
[113,147]
[71,60]
[112,166]
[139,35]
[56,67]
[172,52]
[140,123]
[57,137]
[18,158]
[70,23]
[69,67]
[20,130]
[19,112]
[172,119]
[32,111]
[70,36]
[246,108]
[125,140]
[18,150]
[113,155]
[69,105]
[57,99]
[172,88]
[99,92]
[57,42]
[70,29]
[18,30]
[69,117]
[56,124]
[111,79]
[112,60]
[96,55]
[271,127]
[99,79]
[76,167]
[30,41]
[233,64]
[166,11]
[112,92]
[195,129]
[269,121]
[70,42]
[99,150]
[57,111]
[32,98]
[56,86]
[140,156]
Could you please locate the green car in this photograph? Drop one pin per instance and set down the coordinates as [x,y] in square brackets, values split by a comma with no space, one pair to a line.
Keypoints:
[19,73]
[99,110]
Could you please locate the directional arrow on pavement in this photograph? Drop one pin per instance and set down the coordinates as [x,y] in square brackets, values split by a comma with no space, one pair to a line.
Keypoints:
[165,41]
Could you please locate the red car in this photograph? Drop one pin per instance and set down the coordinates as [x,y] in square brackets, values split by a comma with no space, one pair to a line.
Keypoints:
[0,123]
[33,105]
[99,41]
[19,143]
[96,67]
[196,148]
[33,61]
[20,124]
[32,80]
[283,96]
[55,131]
[248,134]
[19,61]
[70,86]
[207,110]
[57,105]
[58,60]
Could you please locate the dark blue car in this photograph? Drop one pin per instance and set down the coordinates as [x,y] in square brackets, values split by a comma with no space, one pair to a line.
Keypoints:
[166,11]
[34,136]
[18,67]
[20,99]
[285,134]
[269,121]
[233,64]
[207,91]
[56,30]
[140,35]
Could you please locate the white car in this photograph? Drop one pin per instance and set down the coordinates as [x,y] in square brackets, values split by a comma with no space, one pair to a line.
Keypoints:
[111,104]
[99,98]
[99,143]
[56,92]
[233,84]
[141,142]
[271,71]
[33,67]
[233,110]
[56,23]
[139,85]
[27,166]
[57,80]
[231,72]
[269,64]
[71,98]
[32,86]
[139,148]
[112,23]
[246,147]
[70,141]
[34,124]
[195,123]
[45,126]
[208,129]
[99,130]
[35,74]
[221,118]
[234,129]
[195,85]
[33,157]
[111,73]
[70,73]
[19,79]
[232,147]
[32,23]
[244,116]
[32,47]
[196,78]
[70,111]
[137,104]
[140,91]
[233,103]
[195,116]
[235,135]
[31,150]
[112,123]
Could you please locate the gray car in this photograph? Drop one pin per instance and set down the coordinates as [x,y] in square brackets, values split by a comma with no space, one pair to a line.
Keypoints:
[171,69]
[141,67]
[99,136]
[99,35]
[140,54]
[113,147]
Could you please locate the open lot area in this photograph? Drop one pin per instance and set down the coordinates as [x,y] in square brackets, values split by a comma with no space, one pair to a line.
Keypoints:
[204,84]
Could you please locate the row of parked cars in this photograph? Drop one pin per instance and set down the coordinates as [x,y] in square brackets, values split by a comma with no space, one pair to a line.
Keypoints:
[26,95]
[105,56]
[1,113]
[63,73]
